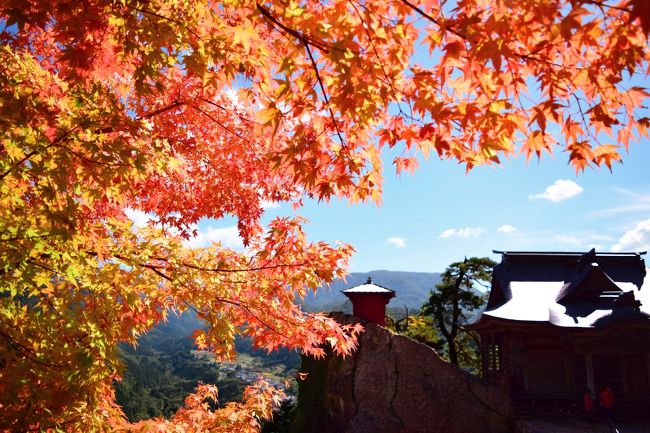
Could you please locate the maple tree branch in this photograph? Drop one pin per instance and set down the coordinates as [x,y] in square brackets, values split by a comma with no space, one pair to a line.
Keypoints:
[516,89]
[207,101]
[162,17]
[325,96]
[584,120]
[27,352]
[237,304]
[28,238]
[276,253]
[211,117]
[248,309]
[156,268]
[45,297]
[301,37]
[162,110]
[89,161]
[35,151]
[188,305]
[252,269]
[529,56]
[23,160]
[65,135]
[56,426]
[97,45]
[153,268]
[42,266]
[149,115]
[389,81]
[434,20]
[466,38]
[307,42]
[602,4]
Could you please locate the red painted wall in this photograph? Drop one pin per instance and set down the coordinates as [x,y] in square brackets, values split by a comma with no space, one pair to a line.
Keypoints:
[370,307]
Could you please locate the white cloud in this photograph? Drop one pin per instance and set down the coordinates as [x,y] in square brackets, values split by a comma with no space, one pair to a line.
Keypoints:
[270,204]
[634,202]
[398,242]
[464,233]
[560,190]
[635,239]
[506,228]
[227,236]
[447,233]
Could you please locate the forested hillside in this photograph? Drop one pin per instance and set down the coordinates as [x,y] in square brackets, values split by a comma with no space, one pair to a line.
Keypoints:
[165,367]
[157,379]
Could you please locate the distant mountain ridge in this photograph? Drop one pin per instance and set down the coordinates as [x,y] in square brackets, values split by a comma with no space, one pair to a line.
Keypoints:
[411,289]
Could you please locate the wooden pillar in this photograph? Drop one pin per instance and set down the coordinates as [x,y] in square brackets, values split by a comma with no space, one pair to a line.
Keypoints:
[589,367]
[648,371]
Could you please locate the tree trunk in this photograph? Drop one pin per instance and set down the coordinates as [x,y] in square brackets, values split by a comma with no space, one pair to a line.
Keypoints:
[453,353]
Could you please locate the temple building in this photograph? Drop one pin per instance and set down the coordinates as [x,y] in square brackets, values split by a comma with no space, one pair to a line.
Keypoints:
[369,301]
[557,324]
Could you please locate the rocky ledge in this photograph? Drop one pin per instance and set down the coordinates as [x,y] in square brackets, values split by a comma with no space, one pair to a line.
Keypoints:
[393,384]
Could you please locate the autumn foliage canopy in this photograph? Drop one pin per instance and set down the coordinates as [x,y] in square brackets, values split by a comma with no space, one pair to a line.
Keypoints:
[191,109]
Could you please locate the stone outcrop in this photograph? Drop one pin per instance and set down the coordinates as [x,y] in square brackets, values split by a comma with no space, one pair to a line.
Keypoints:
[393,384]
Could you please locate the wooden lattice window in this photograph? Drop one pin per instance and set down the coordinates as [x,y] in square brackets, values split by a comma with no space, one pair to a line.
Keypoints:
[493,358]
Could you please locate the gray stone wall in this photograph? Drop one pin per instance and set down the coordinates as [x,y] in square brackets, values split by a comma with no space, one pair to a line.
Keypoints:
[393,384]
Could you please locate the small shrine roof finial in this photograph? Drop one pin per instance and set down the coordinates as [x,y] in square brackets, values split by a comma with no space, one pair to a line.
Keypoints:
[369,280]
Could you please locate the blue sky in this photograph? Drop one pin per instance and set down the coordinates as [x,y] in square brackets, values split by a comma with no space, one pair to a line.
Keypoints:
[441,214]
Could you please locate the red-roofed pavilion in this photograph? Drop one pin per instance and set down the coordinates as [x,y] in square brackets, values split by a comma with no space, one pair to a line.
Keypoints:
[369,301]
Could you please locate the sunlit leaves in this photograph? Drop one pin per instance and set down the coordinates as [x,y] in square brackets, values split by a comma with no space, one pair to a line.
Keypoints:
[188,110]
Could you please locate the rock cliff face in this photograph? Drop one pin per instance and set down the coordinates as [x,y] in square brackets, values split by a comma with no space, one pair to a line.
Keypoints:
[393,384]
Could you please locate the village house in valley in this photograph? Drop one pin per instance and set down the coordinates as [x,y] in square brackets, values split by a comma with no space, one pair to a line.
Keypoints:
[557,324]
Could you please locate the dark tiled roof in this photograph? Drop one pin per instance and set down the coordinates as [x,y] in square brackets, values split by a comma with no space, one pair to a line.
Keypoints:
[567,289]
[588,281]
